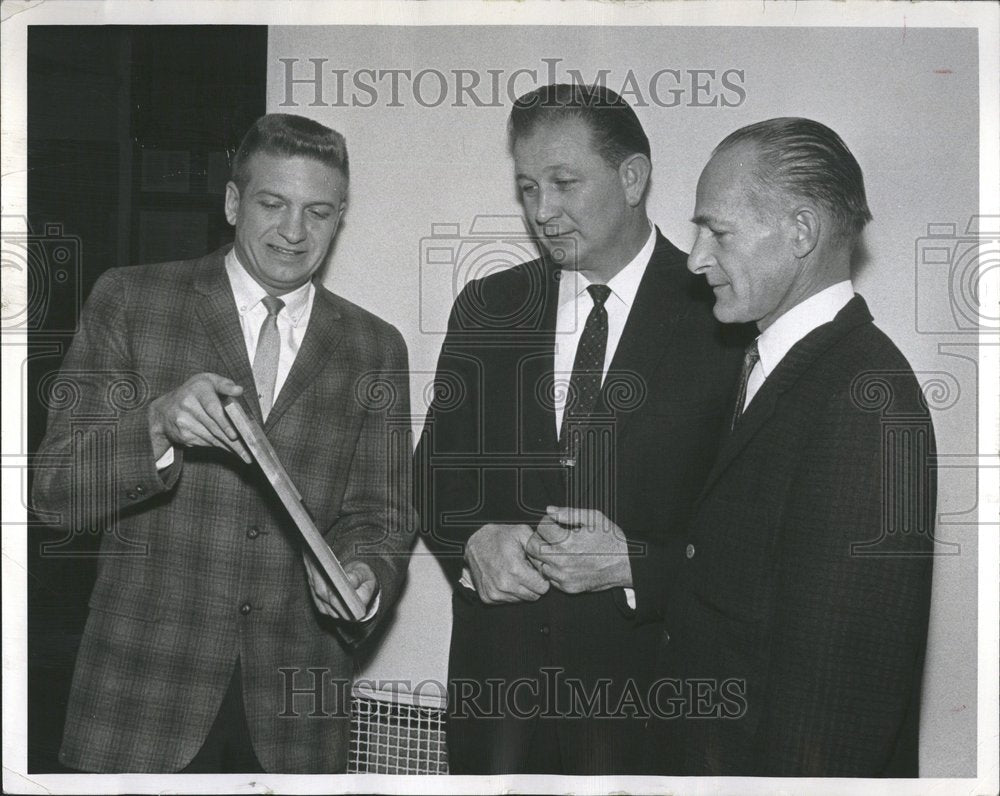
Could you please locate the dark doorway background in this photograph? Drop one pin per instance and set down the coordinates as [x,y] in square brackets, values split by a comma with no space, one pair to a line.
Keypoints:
[130,130]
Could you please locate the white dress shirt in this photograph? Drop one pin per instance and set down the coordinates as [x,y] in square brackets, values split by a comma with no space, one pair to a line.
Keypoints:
[575,305]
[778,338]
[292,320]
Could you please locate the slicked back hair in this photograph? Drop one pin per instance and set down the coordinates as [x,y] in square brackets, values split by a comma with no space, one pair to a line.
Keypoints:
[615,129]
[806,159]
[288,135]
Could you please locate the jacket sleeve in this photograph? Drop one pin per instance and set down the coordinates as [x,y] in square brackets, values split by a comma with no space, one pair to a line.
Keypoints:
[655,567]
[96,460]
[377,522]
[448,497]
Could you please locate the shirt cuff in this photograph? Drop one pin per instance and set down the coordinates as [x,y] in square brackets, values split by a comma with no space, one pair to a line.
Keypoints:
[165,460]
[466,579]
[629,597]
[374,609]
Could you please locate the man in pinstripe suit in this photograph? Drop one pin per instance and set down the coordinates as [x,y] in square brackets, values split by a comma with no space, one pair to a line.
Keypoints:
[798,603]
[219,646]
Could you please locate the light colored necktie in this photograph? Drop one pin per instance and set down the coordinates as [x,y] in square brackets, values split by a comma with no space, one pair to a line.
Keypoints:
[265,360]
[750,359]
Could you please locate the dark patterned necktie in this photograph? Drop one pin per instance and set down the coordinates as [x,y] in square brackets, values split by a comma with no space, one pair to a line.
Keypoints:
[588,366]
[265,360]
[750,358]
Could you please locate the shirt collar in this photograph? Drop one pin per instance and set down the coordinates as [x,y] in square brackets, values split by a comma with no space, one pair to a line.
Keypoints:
[778,338]
[624,285]
[248,292]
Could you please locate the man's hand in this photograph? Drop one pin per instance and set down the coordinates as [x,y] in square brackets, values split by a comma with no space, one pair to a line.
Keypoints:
[360,575]
[500,571]
[193,415]
[580,550]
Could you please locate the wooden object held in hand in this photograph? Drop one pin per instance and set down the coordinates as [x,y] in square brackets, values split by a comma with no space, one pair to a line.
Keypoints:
[260,448]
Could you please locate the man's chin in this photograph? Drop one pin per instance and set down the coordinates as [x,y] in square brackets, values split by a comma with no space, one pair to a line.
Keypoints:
[277,286]
[725,313]
[562,251]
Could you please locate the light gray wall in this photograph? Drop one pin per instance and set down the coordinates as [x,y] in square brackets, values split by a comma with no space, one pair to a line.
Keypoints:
[906,102]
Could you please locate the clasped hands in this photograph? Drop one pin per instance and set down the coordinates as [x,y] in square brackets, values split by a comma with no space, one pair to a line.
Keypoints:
[575,550]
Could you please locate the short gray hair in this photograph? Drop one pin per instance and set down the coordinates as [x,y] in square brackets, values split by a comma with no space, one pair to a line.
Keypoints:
[807,159]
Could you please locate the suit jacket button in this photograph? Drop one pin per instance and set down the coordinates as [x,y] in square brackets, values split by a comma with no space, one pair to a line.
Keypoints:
[689,551]
[544,630]
[246,608]
[252,533]
[130,495]
[139,489]
[665,638]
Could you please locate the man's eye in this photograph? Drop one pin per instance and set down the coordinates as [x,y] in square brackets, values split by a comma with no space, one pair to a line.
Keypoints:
[528,189]
[565,185]
[270,205]
[322,215]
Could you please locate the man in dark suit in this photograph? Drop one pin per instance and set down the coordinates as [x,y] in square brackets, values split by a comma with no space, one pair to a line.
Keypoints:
[795,619]
[212,643]
[588,386]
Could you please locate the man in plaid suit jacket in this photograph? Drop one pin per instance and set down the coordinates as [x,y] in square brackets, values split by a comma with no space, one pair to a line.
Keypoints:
[212,642]
[795,620]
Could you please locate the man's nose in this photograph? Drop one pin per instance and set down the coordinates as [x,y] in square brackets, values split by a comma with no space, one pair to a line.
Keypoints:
[547,207]
[700,259]
[292,227]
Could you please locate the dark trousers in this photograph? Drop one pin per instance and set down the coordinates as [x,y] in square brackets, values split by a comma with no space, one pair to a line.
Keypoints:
[227,749]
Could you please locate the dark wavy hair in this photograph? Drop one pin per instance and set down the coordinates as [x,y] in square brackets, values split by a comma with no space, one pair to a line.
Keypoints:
[614,127]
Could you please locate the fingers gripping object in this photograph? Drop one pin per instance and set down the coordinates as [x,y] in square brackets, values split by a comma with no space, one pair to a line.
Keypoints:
[262,451]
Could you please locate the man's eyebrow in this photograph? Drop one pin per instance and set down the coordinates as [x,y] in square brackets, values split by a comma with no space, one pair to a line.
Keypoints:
[547,170]
[283,198]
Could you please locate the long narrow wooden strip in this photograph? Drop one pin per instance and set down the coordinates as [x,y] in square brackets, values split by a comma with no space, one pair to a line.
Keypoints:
[263,452]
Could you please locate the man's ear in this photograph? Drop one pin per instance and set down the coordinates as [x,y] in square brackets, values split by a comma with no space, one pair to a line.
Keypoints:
[232,202]
[806,230]
[340,217]
[634,173]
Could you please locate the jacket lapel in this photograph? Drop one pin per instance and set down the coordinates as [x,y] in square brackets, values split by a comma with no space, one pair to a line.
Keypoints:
[216,308]
[655,314]
[537,375]
[794,364]
[653,318]
[322,336]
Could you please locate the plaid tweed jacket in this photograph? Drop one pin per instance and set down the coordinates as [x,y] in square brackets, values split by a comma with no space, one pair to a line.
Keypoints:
[201,564]
[799,593]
